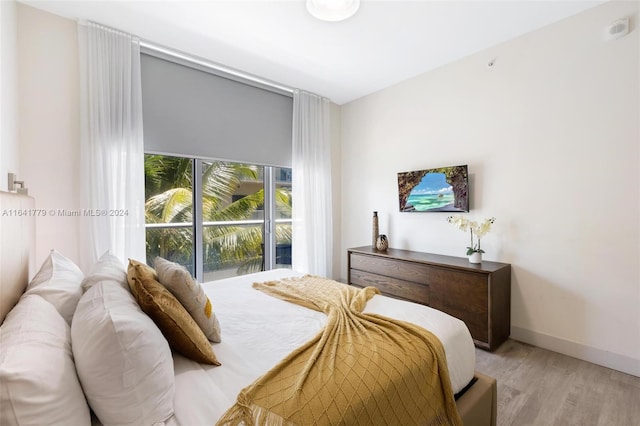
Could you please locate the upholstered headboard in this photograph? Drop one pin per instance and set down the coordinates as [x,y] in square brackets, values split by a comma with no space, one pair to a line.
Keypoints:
[17,243]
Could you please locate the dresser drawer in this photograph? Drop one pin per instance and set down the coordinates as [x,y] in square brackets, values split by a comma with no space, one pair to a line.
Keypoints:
[393,268]
[478,294]
[463,295]
[415,292]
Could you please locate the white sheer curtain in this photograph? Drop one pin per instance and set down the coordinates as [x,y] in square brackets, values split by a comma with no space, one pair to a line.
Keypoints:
[111,141]
[311,185]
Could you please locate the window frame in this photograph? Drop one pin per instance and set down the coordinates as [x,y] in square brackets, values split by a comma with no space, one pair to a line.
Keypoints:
[269,221]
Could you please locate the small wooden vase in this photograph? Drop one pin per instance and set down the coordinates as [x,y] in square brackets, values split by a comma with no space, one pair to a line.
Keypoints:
[382,243]
[374,230]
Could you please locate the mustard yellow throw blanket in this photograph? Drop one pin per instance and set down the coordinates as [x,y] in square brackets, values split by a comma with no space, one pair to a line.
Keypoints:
[361,369]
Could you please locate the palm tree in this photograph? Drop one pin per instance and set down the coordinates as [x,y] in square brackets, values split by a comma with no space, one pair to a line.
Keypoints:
[168,184]
[170,179]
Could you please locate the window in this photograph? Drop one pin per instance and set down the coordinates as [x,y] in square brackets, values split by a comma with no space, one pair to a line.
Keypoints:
[219,223]
[217,218]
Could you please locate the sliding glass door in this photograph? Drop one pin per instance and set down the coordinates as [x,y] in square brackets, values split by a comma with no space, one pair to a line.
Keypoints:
[169,209]
[231,219]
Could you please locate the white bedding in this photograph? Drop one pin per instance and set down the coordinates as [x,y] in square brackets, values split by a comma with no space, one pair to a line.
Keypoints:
[259,330]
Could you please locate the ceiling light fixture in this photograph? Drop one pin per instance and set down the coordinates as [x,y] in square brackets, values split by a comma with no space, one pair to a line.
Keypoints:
[332,10]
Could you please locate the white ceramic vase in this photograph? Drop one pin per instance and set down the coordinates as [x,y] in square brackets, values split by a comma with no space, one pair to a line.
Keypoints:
[475,257]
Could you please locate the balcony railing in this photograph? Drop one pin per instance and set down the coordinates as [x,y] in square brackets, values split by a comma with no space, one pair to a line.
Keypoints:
[214,223]
[212,268]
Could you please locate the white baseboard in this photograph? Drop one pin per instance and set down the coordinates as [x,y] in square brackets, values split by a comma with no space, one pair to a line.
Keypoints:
[601,357]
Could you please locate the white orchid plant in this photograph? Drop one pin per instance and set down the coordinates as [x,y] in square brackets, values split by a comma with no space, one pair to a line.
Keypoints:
[480,230]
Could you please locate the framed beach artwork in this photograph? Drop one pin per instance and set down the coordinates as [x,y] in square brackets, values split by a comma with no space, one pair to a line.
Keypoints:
[443,189]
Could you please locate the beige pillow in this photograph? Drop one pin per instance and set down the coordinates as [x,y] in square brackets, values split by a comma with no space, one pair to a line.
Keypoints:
[170,316]
[190,293]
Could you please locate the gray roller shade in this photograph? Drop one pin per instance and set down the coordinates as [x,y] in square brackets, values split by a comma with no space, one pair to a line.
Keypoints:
[193,113]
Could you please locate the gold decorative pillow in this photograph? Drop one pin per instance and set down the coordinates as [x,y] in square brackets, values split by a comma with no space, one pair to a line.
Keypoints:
[190,293]
[178,327]
[131,272]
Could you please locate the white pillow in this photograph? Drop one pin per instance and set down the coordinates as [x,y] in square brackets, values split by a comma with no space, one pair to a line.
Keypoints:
[58,282]
[123,360]
[190,293]
[107,268]
[38,381]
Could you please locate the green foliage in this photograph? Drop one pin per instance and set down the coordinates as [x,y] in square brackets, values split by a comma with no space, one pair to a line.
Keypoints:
[163,173]
[471,250]
[173,205]
[168,185]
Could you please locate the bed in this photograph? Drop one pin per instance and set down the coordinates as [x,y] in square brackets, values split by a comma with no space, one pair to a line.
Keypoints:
[257,332]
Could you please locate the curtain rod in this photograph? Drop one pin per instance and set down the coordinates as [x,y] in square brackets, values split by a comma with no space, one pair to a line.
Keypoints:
[164,52]
[215,68]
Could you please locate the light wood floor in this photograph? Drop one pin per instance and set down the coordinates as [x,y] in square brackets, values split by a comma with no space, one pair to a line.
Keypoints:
[539,387]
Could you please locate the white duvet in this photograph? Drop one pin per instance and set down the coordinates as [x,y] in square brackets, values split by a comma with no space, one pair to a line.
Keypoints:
[259,330]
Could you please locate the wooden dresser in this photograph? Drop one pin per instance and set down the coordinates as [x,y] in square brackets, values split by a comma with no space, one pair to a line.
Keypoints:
[478,294]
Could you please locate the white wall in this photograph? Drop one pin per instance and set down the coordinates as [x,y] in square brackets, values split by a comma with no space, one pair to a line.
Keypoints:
[9,157]
[48,125]
[551,136]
